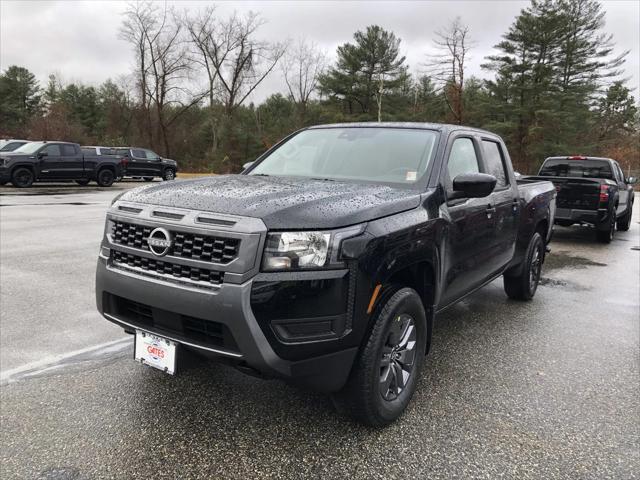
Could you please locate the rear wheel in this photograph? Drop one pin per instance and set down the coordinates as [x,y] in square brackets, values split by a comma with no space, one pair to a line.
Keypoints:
[106,177]
[22,177]
[386,372]
[523,286]
[84,182]
[624,222]
[148,179]
[169,174]
[605,231]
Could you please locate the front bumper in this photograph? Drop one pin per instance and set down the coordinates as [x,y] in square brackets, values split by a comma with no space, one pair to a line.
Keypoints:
[229,305]
[5,175]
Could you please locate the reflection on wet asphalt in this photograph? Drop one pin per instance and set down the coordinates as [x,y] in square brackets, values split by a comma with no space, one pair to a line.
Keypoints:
[544,389]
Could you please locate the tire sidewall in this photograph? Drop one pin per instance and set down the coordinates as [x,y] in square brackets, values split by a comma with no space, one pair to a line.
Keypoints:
[167,172]
[110,177]
[536,243]
[405,300]
[15,173]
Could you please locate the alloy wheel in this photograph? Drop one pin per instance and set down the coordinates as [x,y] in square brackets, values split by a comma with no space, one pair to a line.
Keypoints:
[398,357]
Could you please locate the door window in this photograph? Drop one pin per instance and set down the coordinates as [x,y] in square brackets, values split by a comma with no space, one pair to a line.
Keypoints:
[462,159]
[52,150]
[495,162]
[151,155]
[138,153]
[68,150]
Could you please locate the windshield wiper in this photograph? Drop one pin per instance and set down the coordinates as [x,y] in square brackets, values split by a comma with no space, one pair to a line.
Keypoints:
[324,179]
[259,175]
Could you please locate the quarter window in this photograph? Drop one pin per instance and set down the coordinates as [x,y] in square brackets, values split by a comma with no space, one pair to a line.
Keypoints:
[462,158]
[495,162]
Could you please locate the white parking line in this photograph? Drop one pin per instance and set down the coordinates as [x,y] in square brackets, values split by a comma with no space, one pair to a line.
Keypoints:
[57,361]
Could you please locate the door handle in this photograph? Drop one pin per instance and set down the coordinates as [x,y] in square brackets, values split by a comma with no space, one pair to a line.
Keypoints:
[490,211]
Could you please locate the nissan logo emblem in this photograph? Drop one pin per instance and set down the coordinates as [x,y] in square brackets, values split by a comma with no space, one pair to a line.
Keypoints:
[159,241]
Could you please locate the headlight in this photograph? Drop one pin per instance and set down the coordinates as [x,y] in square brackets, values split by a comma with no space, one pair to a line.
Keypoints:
[305,250]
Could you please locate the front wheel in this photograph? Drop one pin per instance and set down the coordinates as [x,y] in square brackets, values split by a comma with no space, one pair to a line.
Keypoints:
[523,285]
[106,177]
[22,177]
[169,174]
[387,369]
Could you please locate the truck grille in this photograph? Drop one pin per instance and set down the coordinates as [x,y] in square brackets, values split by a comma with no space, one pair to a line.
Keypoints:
[186,245]
[166,269]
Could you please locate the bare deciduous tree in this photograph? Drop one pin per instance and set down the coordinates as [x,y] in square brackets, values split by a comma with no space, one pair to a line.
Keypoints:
[302,66]
[234,60]
[447,66]
[163,66]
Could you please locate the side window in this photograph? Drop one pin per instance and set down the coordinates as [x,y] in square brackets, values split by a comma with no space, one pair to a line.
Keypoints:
[52,150]
[68,150]
[495,162]
[620,174]
[151,155]
[138,153]
[462,158]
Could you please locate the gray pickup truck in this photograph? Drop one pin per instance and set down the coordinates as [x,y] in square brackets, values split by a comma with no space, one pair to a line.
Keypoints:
[326,261]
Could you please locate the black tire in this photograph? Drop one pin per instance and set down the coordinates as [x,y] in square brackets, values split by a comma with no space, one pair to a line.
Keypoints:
[169,174]
[2,183]
[84,182]
[605,231]
[523,285]
[624,222]
[106,177]
[22,177]
[148,179]
[399,332]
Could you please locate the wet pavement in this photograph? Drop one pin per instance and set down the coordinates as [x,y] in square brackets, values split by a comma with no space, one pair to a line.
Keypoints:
[544,389]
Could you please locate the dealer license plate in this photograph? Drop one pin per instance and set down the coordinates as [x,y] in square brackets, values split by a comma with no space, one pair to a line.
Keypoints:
[156,351]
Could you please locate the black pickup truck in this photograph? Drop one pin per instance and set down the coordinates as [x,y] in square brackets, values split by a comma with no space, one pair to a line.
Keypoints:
[326,261]
[145,163]
[591,190]
[50,161]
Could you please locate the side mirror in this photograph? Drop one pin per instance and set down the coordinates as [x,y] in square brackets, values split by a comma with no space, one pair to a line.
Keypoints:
[247,165]
[473,185]
[632,180]
[42,154]
[158,159]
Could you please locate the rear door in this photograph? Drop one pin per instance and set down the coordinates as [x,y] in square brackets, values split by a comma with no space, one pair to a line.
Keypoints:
[504,201]
[137,166]
[72,164]
[469,242]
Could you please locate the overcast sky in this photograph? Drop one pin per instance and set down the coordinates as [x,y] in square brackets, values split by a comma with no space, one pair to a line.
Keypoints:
[79,40]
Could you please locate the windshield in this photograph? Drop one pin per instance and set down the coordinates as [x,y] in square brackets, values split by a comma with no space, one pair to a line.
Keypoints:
[30,147]
[576,168]
[369,154]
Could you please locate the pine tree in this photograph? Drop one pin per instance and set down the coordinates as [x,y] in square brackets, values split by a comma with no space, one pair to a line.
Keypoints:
[20,98]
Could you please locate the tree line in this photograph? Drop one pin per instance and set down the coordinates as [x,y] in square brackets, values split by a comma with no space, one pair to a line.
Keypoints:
[556,86]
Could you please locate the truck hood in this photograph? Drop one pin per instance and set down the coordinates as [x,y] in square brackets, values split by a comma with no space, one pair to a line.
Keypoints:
[281,202]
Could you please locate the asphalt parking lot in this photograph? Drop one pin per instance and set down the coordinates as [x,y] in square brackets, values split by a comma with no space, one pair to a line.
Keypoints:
[545,389]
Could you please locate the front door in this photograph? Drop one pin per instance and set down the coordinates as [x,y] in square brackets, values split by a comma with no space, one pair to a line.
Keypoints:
[50,161]
[137,166]
[467,252]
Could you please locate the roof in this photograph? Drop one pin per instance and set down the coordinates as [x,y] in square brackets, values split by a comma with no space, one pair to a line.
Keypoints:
[419,125]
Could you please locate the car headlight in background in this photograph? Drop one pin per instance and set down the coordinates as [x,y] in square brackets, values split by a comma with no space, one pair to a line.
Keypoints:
[305,250]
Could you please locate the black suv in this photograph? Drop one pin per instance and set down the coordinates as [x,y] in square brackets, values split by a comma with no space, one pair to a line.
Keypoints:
[147,164]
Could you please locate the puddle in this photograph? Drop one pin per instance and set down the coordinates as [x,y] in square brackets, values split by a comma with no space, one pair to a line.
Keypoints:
[552,282]
[556,260]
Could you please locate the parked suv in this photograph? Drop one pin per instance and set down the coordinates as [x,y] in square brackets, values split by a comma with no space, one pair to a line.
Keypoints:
[591,190]
[147,164]
[326,261]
